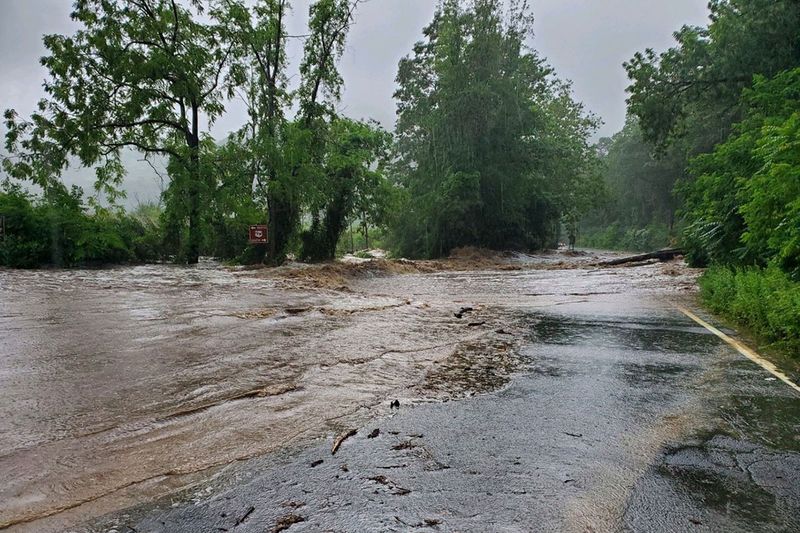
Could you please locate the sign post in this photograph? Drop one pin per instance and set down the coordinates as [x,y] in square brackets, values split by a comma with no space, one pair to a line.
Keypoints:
[259,234]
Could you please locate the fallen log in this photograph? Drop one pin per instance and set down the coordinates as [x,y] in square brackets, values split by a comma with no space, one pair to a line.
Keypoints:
[341,438]
[661,255]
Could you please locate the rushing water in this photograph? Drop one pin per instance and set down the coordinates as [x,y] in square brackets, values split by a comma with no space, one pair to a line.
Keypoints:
[117,385]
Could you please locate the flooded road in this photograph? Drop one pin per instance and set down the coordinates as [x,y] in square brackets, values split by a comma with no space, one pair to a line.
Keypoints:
[587,402]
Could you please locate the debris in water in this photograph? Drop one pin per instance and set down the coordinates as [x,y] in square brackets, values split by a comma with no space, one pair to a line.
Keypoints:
[245,516]
[317,463]
[463,311]
[396,490]
[286,522]
[293,504]
[576,435]
[392,467]
[427,522]
[341,438]
[256,315]
[375,433]
[395,404]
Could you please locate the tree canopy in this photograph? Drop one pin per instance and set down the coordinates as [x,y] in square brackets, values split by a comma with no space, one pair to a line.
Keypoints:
[692,91]
[139,74]
[491,148]
[744,207]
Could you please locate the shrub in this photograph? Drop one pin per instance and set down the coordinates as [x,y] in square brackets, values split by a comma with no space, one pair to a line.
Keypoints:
[618,237]
[765,300]
[56,229]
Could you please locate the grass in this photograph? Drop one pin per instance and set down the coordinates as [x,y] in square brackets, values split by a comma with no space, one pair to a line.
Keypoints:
[765,301]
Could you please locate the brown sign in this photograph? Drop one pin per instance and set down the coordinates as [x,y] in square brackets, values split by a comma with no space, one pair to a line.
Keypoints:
[259,234]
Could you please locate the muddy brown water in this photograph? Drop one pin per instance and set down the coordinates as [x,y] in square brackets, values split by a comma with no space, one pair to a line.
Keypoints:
[120,385]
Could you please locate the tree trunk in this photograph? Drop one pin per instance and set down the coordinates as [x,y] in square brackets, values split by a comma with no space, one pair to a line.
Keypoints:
[660,255]
[283,218]
[193,246]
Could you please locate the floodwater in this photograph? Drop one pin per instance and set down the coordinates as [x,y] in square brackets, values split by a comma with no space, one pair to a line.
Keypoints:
[121,386]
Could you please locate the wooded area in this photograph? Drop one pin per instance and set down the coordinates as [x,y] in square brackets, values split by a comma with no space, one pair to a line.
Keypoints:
[496,166]
[710,158]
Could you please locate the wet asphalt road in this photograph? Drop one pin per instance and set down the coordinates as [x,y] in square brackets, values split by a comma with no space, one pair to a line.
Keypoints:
[621,415]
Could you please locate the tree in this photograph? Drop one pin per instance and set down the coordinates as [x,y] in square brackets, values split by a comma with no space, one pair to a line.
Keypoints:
[286,155]
[744,206]
[689,104]
[692,91]
[352,184]
[491,149]
[139,74]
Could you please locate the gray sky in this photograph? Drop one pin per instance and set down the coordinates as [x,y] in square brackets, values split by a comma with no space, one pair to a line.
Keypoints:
[586,41]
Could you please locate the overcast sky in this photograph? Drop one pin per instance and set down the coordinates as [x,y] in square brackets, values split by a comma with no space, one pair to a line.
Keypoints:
[586,41]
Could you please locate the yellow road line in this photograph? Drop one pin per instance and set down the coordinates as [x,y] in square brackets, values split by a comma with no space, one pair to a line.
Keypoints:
[742,349]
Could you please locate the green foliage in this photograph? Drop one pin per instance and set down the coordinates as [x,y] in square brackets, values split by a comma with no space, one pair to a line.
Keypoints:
[289,160]
[744,206]
[56,230]
[731,93]
[767,300]
[771,207]
[693,90]
[688,100]
[352,184]
[137,75]
[149,75]
[491,150]
[617,236]
[358,239]
[639,210]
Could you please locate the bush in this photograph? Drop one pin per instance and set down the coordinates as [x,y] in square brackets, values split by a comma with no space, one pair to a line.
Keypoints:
[56,230]
[618,237]
[766,301]
[743,207]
